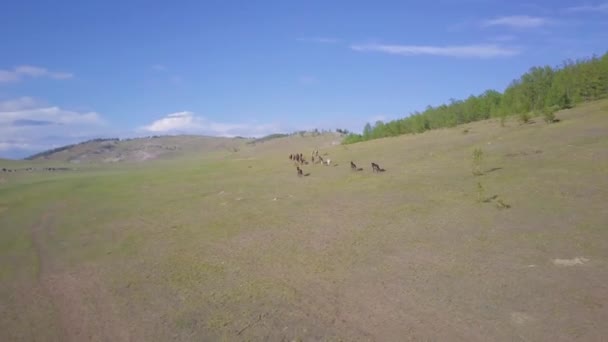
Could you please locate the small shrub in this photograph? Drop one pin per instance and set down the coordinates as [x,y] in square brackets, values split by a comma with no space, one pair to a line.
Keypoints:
[352,138]
[565,102]
[503,120]
[549,117]
[525,117]
[500,204]
[549,114]
[481,193]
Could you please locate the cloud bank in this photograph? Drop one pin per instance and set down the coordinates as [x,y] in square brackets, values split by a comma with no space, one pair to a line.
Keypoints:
[28,125]
[600,8]
[188,123]
[517,21]
[462,51]
[27,71]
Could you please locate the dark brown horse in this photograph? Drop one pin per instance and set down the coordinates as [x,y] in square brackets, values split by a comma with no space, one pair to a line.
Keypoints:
[377,168]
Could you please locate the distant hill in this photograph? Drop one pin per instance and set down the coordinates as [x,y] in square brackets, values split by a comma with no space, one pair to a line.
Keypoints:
[139,149]
[116,150]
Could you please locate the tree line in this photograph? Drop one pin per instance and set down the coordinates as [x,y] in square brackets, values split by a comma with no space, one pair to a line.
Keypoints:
[541,90]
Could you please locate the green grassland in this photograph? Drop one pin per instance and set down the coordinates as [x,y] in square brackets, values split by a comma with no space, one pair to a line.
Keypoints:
[232,245]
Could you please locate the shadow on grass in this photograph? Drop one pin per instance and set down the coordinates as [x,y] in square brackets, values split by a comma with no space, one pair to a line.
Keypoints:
[492,170]
[482,173]
[499,203]
[490,199]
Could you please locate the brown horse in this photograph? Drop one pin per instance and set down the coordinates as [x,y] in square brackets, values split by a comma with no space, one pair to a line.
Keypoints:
[377,168]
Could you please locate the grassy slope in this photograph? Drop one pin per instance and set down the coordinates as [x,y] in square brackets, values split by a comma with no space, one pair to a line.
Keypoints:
[236,246]
[140,149]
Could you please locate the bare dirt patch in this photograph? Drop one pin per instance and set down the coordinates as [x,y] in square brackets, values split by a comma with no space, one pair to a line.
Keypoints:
[81,304]
[520,318]
[570,262]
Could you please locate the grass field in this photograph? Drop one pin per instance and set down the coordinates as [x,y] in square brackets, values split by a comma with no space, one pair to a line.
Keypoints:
[235,246]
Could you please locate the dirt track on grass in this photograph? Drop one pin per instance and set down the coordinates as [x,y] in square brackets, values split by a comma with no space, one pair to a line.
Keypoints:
[82,306]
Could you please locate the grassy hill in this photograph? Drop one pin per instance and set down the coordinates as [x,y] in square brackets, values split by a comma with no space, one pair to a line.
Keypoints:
[181,146]
[140,149]
[235,246]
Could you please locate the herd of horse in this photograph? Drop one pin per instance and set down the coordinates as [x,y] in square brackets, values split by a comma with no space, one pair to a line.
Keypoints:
[299,160]
[315,158]
[375,167]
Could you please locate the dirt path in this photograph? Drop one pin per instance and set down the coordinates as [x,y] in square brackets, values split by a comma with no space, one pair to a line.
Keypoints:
[81,304]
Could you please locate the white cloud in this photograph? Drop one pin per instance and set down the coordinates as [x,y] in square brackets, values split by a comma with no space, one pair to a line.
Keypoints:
[29,125]
[13,145]
[9,76]
[50,115]
[320,40]
[602,8]
[188,123]
[476,50]
[24,71]
[172,122]
[517,21]
[21,103]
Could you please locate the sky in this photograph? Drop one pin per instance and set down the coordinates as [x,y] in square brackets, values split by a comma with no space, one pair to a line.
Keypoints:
[76,70]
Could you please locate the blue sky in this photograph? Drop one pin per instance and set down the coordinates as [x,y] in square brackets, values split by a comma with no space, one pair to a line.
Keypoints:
[74,70]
